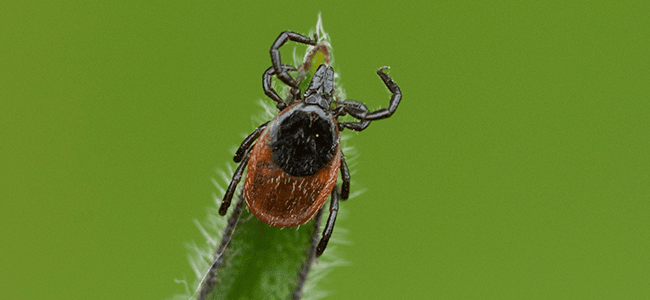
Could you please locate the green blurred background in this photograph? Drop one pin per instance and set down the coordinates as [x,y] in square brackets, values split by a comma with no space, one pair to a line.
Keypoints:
[516,167]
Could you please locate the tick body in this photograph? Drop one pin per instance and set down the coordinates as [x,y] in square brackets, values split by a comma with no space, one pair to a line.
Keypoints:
[294,160]
[293,166]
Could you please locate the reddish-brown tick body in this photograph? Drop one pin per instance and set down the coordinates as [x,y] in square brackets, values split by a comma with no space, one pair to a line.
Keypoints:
[278,198]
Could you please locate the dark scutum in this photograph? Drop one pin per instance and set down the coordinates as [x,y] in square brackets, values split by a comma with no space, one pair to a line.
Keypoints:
[303,143]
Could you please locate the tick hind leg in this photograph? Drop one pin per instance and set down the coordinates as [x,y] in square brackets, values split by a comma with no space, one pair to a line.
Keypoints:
[334,205]
[227,197]
[329,227]
[248,141]
[241,156]
[345,177]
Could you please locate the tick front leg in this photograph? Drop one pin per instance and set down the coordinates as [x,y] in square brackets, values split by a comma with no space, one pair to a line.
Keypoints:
[227,197]
[269,91]
[275,54]
[357,110]
[329,228]
[394,100]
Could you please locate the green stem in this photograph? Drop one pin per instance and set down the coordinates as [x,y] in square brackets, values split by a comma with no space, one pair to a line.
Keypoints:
[259,261]
[254,260]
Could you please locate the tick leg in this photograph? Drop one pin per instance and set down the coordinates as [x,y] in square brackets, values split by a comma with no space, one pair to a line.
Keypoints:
[357,110]
[394,100]
[345,176]
[275,54]
[248,141]
[269,91]
[233,184]
[327,233]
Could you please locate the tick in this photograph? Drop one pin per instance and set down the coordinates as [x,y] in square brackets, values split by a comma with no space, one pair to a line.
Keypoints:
[293,160]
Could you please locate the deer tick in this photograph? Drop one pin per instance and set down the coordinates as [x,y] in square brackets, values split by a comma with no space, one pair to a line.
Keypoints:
[293,160]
